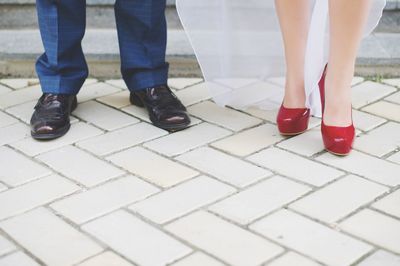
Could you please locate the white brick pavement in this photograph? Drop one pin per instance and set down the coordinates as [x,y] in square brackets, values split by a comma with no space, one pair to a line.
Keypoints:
[230,190]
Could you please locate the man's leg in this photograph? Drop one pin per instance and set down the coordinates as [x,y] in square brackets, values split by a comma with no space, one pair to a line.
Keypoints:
[142,33]
[62,69]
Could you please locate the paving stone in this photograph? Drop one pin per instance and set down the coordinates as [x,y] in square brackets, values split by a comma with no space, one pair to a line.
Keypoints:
[357,80]
[142,162]
[389,204]
[268,115]
[380,141]
[194,94]
[394,98]
[101,200]
[224,240]
[368,92]
[307,144]
[381,171]
[96,90]
[138,112]
[380,258]
[296,167]
[292,258]
[5,246]
[20,96]
[121,139]
[384,109]
[326,245]
[120,83]
[224,167]
[260,199]
[103,116]
[17,258]
[106,259]
[395,158]
[49,238]
[17,169]
[4,90]
[116,100]
[181,83]
[6,120]
[78,131]
[339,199]
[198,259]
[34,194]
[19,83]
[13,133]
[250,141]
[280,81]
[136,240]
[2,187]
[82,167]
[392,82]
[210,186]
[191,138]
[365,122]
[374,227]
[182,199]
[225,117]
[90,81]
[266,95]
[24,112]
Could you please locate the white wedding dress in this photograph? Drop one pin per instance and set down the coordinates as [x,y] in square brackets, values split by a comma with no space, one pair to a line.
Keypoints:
[239,47]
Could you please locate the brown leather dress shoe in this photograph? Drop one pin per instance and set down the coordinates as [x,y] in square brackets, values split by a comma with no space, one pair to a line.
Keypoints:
[165,109]
[50,119]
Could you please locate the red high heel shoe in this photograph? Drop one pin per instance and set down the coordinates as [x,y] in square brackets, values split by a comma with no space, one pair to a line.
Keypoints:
[337,140]
[292,121]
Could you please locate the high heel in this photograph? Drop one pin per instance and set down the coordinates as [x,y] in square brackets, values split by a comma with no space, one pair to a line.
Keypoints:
[337,140]
[292,121]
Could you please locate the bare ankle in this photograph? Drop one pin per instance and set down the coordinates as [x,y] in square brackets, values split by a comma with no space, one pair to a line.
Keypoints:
[338,114]
[294,97]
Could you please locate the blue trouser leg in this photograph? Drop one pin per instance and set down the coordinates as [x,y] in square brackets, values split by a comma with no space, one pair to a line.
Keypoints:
[142,33]
[62,68]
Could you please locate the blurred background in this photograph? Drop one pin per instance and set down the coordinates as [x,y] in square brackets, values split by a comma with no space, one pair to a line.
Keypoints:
[20,42]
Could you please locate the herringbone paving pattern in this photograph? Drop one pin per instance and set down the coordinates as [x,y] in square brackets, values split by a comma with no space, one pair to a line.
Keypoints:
[227,191]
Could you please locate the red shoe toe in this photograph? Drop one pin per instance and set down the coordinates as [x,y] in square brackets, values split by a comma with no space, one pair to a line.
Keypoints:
[338,140]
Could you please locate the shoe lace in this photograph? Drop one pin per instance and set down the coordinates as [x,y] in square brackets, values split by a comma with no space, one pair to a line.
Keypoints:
[52,107]
[166,99]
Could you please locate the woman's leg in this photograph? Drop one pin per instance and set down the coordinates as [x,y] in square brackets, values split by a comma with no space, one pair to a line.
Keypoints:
[347,20]
[294,18]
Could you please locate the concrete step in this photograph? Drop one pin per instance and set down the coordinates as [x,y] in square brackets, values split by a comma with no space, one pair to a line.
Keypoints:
[21,14]
[20,48]
[379,54]
[20,41]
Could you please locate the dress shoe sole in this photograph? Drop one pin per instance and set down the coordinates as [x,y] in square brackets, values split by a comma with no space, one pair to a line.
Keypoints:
[338,154]
[292,134]
[171,128]
[52,135]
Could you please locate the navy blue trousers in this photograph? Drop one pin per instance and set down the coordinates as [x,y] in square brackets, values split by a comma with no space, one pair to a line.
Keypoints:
[142,34]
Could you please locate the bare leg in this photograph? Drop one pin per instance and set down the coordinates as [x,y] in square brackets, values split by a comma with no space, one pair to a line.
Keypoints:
[294,18]
[347,20]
